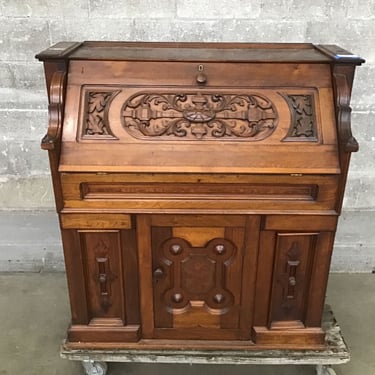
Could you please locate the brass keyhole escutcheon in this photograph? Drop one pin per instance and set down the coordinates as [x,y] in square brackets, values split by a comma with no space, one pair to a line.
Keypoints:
[201,76]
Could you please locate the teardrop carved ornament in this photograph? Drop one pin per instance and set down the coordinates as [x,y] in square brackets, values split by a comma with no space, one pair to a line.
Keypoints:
[196,116]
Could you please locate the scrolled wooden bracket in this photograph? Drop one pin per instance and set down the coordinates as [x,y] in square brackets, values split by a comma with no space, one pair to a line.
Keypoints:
[55,111]
[343,93]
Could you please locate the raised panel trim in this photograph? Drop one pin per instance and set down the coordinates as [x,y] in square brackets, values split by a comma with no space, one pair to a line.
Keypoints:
[304,223]
[97,221]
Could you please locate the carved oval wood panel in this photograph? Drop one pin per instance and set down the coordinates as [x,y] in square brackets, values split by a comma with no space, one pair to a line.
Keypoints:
[199,115]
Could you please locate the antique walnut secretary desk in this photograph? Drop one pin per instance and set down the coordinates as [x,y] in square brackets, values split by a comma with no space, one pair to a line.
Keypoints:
[198,188]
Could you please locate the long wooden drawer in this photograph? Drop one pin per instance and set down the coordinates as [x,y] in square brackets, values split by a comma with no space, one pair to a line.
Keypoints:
[233,193]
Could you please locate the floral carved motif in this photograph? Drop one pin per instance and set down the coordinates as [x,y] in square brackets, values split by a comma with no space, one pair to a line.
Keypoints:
[194,116]
[96,117]
[303,122]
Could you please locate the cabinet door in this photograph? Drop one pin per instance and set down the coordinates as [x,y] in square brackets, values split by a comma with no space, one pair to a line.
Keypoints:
[101,267]
[197,275]
[291,283]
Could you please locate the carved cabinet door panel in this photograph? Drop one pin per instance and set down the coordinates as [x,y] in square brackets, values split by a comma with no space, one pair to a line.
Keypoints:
[299,282]
[103,277]
[291,285]
[200,279]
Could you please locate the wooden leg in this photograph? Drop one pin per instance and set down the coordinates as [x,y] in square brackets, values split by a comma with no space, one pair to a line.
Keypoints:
[325,370]
[95,368]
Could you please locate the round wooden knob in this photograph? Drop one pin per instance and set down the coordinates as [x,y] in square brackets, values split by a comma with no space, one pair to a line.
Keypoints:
[201,78]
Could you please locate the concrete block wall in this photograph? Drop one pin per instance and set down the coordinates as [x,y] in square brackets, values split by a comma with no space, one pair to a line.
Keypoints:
[27,27]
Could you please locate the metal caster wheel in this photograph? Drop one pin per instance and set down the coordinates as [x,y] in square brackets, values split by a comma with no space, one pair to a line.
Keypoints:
[324,370]
[95,368]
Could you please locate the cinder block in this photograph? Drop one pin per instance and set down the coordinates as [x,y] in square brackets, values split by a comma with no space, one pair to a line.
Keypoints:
[25,158]
[359,9]
[132,8]
[26,193]
[360,191]
[308,10]
[23,37]
[297,10]
[356,227]
[363,127]
[30,242]
[275,9]
[364,160]
[353,258]
[91,29]
[22,75]
[264,31]
[45,8]
[167,30]
[23,124]
[354,249]
[363,95]
[205,9]
[233,30]
[12,98]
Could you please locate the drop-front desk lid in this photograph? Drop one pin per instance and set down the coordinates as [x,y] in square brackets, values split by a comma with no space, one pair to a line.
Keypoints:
[223,108]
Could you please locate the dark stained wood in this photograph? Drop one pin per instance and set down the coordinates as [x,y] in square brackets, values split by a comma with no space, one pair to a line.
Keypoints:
[145,272]
[198,187]
[129,260]
[319,278]
[291,280]
[199,276]
[103,274]
[75,276]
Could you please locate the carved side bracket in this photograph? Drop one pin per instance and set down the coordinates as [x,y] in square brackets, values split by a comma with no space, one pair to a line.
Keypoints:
[343,94]
[55,111]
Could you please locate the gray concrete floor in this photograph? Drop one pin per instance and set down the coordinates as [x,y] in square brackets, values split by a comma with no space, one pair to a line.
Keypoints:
[34,314]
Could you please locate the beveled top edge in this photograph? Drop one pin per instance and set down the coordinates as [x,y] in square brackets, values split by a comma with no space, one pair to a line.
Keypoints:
[199,51]
[339,54]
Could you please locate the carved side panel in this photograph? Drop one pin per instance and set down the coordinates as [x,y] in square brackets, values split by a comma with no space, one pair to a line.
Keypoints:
[291,279]
[203,115]
[303,125]
[95,121]
[104,282]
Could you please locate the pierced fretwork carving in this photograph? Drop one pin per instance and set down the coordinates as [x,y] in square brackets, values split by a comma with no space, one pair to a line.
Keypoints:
[198,274]
[303,119]
[194,116]
[96,114]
